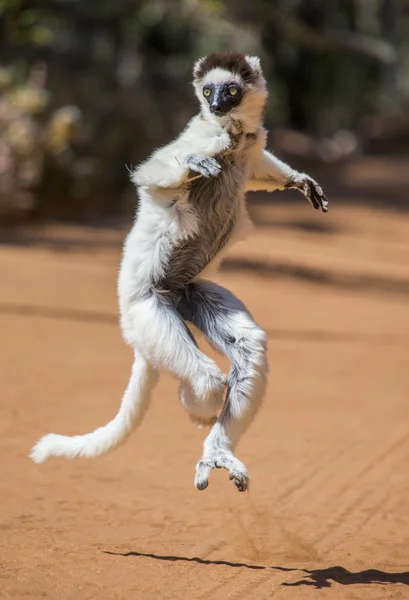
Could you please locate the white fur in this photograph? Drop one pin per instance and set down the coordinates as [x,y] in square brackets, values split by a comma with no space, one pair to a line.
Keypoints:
[254,63]
[159,337]
[133,408]
[218,76]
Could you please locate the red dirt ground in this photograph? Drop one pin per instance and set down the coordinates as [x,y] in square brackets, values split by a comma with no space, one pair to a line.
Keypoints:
[327,513]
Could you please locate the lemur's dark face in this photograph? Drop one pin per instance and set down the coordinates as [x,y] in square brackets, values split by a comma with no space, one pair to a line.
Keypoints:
[223,97]
[230,85]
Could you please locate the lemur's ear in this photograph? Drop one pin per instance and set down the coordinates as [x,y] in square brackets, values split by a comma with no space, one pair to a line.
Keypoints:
[254,63]
[196,67]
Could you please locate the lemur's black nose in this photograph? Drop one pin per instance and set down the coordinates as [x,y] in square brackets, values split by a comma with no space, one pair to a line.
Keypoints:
[215,99]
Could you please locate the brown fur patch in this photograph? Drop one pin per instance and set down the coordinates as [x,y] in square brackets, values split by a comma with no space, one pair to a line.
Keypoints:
[231,61]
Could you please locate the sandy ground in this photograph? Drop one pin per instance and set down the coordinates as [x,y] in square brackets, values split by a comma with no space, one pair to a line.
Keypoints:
[327,513]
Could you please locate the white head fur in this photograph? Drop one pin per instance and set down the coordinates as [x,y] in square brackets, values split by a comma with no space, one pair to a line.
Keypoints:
[233,68]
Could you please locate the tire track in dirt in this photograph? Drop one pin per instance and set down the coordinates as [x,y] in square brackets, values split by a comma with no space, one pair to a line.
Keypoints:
[348,514]
[319,476]
[293,493]
[378,504]
[231,582]
[318,479]
[250,547]
[260,588]
[347,519]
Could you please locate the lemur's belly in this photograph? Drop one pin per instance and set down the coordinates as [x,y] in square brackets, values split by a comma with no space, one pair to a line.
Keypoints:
[216,202]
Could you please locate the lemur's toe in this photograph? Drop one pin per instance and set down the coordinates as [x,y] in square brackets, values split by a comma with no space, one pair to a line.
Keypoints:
[240,480]
[237,471]
[202,476]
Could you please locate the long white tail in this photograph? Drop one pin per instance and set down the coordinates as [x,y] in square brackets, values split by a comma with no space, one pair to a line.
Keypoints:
[104,439]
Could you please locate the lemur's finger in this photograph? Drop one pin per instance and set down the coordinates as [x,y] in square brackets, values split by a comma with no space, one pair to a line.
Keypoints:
[206,166]
[310,195]
[324,205]
[316,199]
[320,198]
[213,167]
[318,189]
[317,196]
[213,163]
[311,201]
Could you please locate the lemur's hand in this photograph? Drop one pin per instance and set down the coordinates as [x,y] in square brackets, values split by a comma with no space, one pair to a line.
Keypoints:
[204,165]
[311,190]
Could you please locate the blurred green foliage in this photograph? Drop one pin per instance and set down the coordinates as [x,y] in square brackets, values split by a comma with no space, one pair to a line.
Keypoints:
[94,85]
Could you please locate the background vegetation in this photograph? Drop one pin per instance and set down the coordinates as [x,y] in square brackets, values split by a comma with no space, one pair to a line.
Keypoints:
[90,86]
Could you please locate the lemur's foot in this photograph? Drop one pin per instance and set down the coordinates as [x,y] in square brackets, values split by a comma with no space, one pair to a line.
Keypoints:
[204,165]
[222,459]
[311,190]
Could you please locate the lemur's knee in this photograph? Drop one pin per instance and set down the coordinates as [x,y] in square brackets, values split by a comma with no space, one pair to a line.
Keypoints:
[251,349]
[248,375]
[203,395]
[202,411]
[257,340]
[207,381]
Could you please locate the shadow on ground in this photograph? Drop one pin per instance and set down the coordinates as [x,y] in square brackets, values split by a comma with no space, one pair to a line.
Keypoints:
[321,578]
[344,281]
[112,319]
[318,578]
[195,559]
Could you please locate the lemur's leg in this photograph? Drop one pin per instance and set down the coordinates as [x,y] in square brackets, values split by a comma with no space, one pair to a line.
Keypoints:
[158,331]
[231,329]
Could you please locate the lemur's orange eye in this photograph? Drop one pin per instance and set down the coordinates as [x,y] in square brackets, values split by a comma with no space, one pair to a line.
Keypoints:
[206,92]
[233,91]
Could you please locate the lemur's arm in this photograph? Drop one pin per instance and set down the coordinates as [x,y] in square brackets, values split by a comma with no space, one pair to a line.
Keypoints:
[171,166]
[269,173]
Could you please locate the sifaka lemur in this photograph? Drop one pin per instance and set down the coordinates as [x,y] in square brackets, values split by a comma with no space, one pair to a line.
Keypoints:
[191,209]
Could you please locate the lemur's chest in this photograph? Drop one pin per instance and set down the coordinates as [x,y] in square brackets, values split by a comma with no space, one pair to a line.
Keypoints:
[216,202]
[213,191]
[218,197]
